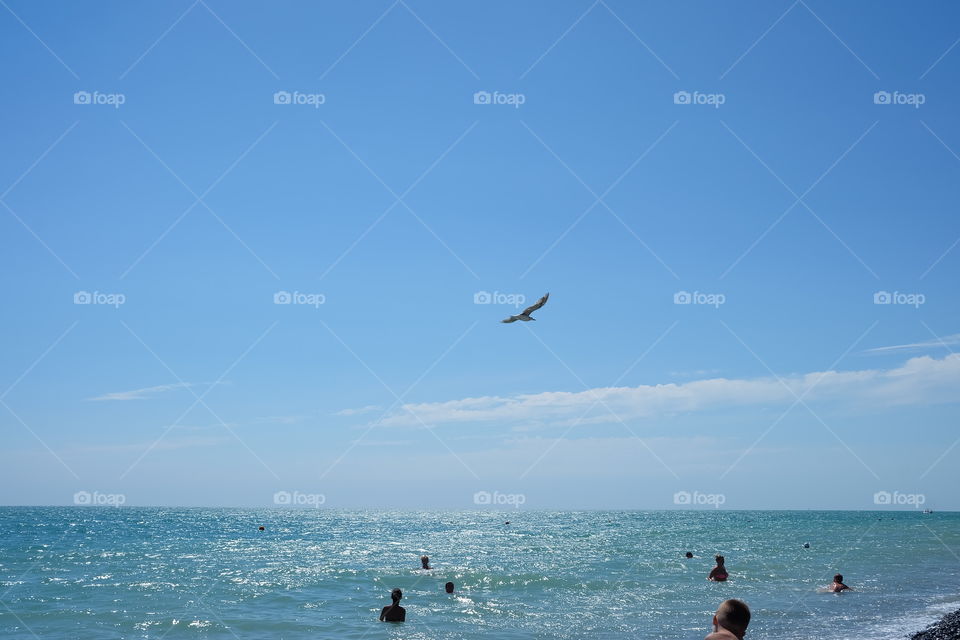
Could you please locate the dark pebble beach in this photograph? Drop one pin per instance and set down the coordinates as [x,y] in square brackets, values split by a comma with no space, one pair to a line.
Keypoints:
[948,628]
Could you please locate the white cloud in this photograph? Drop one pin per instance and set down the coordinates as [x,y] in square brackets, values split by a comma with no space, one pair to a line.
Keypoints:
[919,380]
[144,393]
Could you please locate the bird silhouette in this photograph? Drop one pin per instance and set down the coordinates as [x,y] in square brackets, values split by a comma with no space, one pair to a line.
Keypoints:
[525,316]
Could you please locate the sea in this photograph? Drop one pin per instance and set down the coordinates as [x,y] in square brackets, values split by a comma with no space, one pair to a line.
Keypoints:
[127,572]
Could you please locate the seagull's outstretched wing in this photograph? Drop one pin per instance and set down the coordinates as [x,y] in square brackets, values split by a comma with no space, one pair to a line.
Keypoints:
[510,319]
[536,305]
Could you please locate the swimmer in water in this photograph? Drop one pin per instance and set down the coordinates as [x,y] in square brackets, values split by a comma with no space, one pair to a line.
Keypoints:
[689,555]
[719,572]
[731,621]
[394,612]
[448,587]
[425,562]
[838,585]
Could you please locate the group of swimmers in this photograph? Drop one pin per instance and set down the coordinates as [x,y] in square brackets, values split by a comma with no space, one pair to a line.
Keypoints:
[729,622]
[719,574]
[394,612]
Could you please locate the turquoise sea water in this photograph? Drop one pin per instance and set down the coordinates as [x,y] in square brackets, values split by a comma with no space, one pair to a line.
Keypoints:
[76,572]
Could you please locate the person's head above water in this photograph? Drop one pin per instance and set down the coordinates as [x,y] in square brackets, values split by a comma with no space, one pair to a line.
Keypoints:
[720,560]
[838,578]
[396,595]
[689,554]
[448,587]
[425,561]
[734,616]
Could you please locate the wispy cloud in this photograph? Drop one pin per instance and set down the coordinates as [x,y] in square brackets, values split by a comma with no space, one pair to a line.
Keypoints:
[919,380]
[936,343]
[356,412]
[144,393]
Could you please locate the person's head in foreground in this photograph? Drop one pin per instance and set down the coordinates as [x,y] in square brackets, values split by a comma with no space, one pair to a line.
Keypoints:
[425,562]
[731,621]
[394,612]
[448,587]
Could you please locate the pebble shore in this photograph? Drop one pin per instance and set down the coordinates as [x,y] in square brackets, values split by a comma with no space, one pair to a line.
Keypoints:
[948,628]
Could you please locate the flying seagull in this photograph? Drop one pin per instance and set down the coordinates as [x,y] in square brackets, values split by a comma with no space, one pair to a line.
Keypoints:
[525,316]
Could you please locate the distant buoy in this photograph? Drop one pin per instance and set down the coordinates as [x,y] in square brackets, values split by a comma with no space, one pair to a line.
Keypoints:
[806,545]
[507,522]
[261,529]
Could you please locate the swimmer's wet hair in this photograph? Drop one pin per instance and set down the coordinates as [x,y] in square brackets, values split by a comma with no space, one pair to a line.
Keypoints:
[396,594]
[719,559]
[734,616]
[838,578]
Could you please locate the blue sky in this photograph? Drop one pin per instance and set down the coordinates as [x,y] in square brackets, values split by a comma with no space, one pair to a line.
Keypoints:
[780,163]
